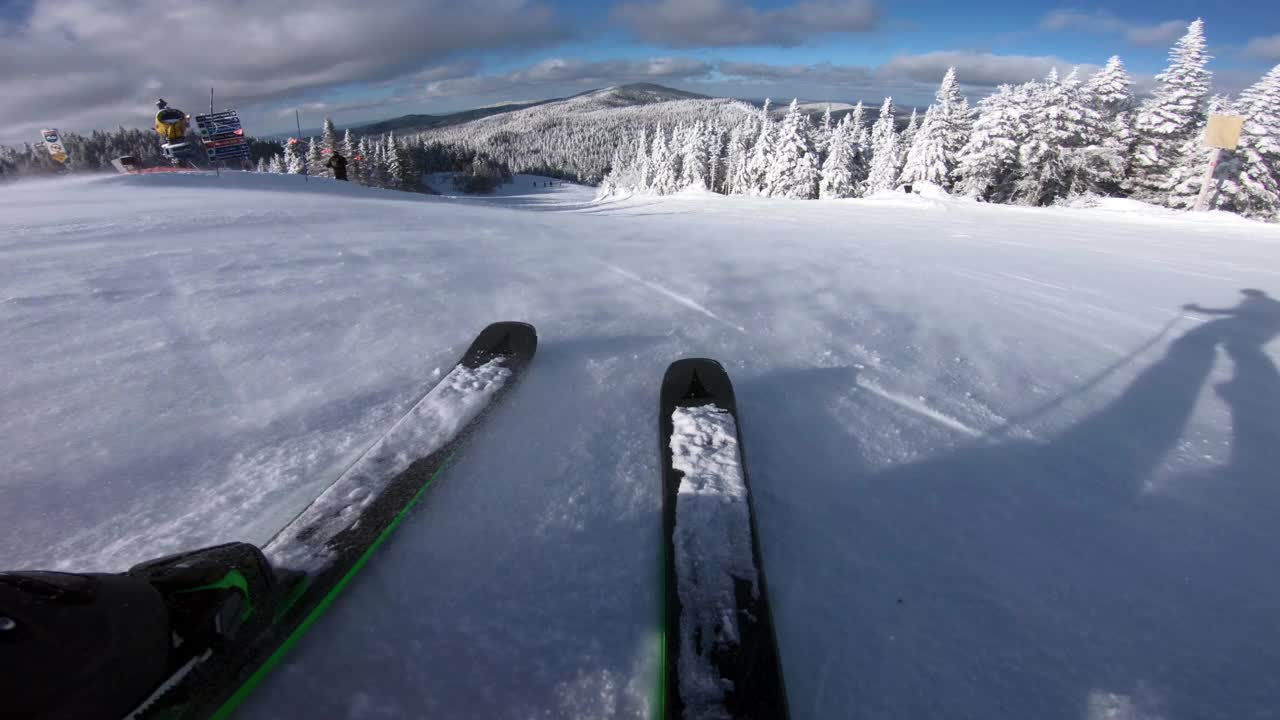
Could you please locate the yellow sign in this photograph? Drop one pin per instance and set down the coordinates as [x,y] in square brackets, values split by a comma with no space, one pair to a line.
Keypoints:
[1223,131]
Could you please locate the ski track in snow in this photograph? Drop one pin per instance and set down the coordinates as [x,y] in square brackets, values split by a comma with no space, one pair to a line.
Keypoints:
[193,359]
[667,293]
[919,407]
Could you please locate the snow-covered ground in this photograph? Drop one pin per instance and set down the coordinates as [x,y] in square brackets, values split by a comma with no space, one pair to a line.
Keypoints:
[1000,471]
[531,192]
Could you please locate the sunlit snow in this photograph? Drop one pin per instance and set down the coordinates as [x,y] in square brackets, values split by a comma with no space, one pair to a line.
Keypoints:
[999,469]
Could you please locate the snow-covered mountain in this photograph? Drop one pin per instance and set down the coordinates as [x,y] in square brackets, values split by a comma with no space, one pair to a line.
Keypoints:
[999,470]
[576,137]
[617,96]
[410,123]
[629,95]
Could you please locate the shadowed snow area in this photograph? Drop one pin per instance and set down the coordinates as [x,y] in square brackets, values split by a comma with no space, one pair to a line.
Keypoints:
[1000,471]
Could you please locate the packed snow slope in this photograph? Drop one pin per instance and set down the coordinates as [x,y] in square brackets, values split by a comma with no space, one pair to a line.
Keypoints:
[1000,471]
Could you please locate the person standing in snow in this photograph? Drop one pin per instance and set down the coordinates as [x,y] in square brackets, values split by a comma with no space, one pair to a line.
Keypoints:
[338,164]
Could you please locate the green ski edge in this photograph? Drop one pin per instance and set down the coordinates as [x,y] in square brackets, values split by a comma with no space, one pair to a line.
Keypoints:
[660,694]
[271,662]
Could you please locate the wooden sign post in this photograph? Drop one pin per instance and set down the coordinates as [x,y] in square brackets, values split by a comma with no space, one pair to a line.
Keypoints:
[1222,133]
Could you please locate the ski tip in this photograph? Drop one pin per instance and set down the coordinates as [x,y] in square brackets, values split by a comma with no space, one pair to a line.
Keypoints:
[517,341]
[697,381]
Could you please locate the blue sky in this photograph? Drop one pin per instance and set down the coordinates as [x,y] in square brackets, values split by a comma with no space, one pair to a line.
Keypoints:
[81,64]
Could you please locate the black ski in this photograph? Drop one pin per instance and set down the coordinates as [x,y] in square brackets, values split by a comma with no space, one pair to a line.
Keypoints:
[720,653]
[319,553]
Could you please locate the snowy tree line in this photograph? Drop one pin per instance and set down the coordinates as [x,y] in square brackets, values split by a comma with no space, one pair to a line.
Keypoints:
[382,161]
[387,161]
[1033,144]
[378,161]
[94,152]
[577,139]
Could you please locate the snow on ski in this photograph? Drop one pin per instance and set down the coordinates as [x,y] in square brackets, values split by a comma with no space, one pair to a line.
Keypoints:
[320,551]
[435,420]
[720,654]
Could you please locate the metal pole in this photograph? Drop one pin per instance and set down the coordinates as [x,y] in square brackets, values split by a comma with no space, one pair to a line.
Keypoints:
[1203,197]
[298,119]
[217,166]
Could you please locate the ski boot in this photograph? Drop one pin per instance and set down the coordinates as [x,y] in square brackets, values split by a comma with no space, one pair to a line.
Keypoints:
[131,644]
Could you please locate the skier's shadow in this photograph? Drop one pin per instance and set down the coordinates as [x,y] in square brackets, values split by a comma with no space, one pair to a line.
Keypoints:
[1037,578]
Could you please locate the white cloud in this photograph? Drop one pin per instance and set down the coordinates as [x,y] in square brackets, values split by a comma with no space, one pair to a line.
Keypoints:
[912,78]
[820,72]
[573,72]
[1098,21]
[85,63]
[977,68]
[1158,35]
[1101,21]
[720,23]
[1263,48]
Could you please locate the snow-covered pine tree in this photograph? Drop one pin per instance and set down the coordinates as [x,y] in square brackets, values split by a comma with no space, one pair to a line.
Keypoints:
[328,144]
[368,159]
[1111,89]
[793,167]
[665,174]
[758,163]
[926,158]
[908,136]
[1247,179]
[261,165]
[1110,92]
[1187,177]
[713,141]
[736,158]
[1256,190]
[954,115]
[934,150]
[822,134]
[277,164]
[860,137]
[988,167]
[883,174]
[390,160]
[1166,121]
[315,159]
[294,159]
[403,175]
[642,163]
[351,151]
[378,162]
[623,169]
[395,160]
[1095,166]
[1259,150]
[837,176]
[693,158]
[1043,155]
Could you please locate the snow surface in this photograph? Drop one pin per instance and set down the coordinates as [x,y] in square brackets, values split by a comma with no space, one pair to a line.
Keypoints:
[429,426]
[999,471]
[525,191]
[712,550]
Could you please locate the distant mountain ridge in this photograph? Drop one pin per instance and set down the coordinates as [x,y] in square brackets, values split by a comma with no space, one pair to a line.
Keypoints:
[609,97]
[577,137]
[413,123]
